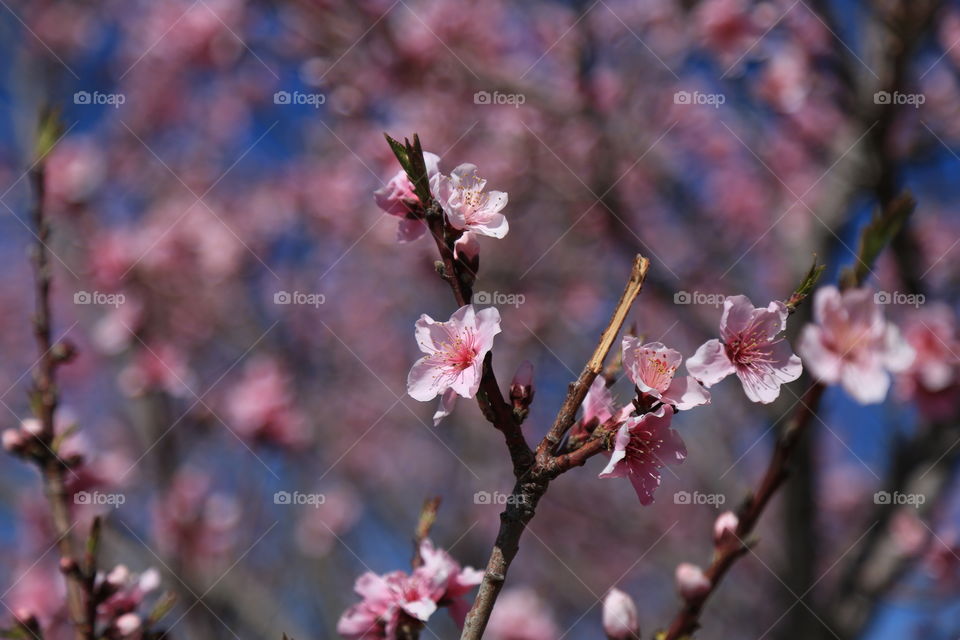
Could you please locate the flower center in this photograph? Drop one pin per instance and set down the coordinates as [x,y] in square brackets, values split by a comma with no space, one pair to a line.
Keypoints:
[657,371]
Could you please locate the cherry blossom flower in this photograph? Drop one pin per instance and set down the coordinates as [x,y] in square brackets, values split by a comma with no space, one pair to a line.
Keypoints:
[749,347]
[466,205]
[931,332]
[644,444]
[620,616]
[852,344]
[438,582]
[652,367]
[455,351]
[397,198]
[521,614]
[598,403]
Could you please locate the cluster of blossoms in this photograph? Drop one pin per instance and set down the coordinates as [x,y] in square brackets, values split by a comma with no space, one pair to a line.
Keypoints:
[121,593]
[466,205]
[397,597]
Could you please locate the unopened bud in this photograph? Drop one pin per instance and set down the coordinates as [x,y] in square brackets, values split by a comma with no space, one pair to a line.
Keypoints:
[13,440]
[521,388]
[620,616]
[127,624]
[63,351]
[118,576]
[68,566]
[725,529]
[691,581]
[32,426]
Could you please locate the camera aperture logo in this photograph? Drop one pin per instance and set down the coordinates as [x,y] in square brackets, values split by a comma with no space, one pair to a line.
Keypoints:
[912,99]
[99,298]
[97,498]
[96,97]
[297,498]
[699,297]
[299,297]
[897,498]
[299,97]
[897,297]
[695,97]
[715,500]
[485,97]
[498,298]
[496,498]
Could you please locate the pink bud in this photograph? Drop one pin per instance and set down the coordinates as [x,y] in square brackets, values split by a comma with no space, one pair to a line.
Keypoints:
[13,440]
[725,529]
[32,426]
[118,576]
[127,624]
[691,581]
[521,388]
[620,616]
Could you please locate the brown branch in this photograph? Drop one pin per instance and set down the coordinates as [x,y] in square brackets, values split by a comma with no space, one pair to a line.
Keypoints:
[687,619]
[44,400]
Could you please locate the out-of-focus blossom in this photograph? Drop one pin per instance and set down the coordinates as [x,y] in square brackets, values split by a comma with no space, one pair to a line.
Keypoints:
[129,590]
[398,198]
[455,351]
[159,367]
[932,378]
[652,367]
[691,581]
[318,528]
[749,347]
[620,620]
[521,614]
[644,445]
[467,206]
[438,582]
[261,406]
[726,27]
[193,521]
[852,344]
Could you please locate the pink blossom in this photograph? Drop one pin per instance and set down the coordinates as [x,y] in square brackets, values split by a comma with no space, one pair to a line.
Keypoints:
[130,589]
[598,403]
[931,332]
[749,347]
[466,205]
[261,405]
[385,598]
[397,198]
[652,367]
[521,614]
[455,351]
[439,581]
[691,581]
[620,616]
[852,344]
[644,444]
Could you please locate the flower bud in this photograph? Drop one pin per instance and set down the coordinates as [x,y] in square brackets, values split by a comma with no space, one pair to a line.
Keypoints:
[691,582]
[13,440]
[118,576]
[521,388]
[620,616]
[725,529]
[127,624]
[32,426]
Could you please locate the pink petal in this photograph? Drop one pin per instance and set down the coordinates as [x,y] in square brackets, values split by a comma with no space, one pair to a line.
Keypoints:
[820,359]
[710,363]
[447,401]
[685,392]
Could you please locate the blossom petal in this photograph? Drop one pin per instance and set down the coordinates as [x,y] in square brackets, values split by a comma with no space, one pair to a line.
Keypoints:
[685,392]
[820,360]
[447,401]
[710,363]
